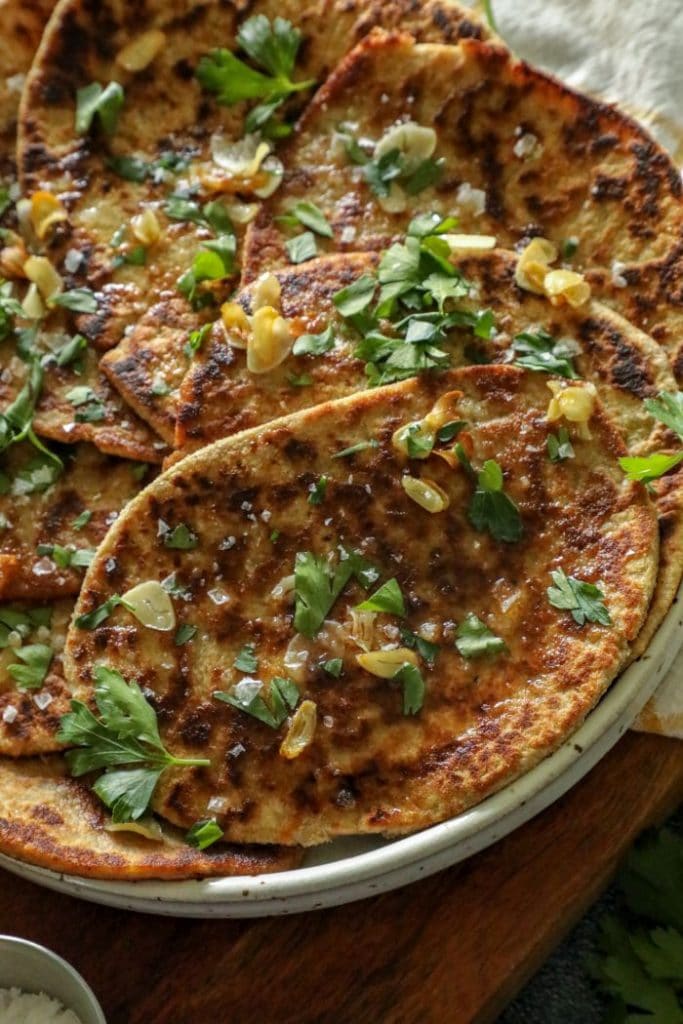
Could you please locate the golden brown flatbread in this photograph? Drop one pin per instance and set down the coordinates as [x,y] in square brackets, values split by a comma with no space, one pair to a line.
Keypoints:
[283,499]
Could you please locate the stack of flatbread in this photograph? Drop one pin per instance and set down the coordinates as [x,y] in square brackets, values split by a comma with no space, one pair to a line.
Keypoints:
[341,440]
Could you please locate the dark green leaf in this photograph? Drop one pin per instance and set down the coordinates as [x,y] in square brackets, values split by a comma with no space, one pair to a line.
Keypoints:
[560,447]
[334,667]
[667,407]
[354,449]
[82,520]
[181,538]
[425,648]
[79,300]
[449,431]
[425,175]
[36,659]
[184,634]
[584,600]
[204,833]
[95,618]
[540,351]
[246,660]
[314,344]
[413,688]
[387,599]
[127,792]
[475,639]
[492,509]
[302,247]
[356,297]
[311,216]
[318,491]
[95,101]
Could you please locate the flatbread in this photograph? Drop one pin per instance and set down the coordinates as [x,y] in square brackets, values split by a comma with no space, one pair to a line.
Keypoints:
[369,767]
[165,110]
[90,481]
[29,718]
[55,822]
[585,171]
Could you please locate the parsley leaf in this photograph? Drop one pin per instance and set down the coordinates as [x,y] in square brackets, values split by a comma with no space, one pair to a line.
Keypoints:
[302,247]
[648,467]
[318,584]
[334,667]
[95,618]
[318,491]
[16,422]
[387,599]
[67,557]
[273,47]
[283,698]
[126,733]
[36,659]
[356,297]
[204,833]
[492,509]
[584,600]
[354,449]
[82,520]
[560,447]
[79,300]
[540,351]
[414,688]
[667,407]
[314,344]
[104,103]
[427,650]
[475,639]
[311,216]
[184,634]
[181,538]
[246,660]
[195,340]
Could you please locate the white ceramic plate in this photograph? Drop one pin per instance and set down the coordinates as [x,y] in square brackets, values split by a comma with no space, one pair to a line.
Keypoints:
[351,869]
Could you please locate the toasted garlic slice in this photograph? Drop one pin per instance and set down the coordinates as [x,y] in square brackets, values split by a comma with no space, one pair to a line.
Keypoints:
[470,243]
[575,403]
[235,324]
[146,227]
[149,828]
[45,213]
[43,274]
[396,201]
[385,664]
[533,265]
[274,171]
[566,286]
[151,605]
[239,159]
[419,432]
[266,292]
[12,259]
[425,493]
[141,51]
[445,409]
[301,730]
[270,342]
[33,305]
[415,141]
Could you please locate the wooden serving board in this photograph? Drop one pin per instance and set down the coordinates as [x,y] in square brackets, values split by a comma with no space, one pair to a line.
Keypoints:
[453,948]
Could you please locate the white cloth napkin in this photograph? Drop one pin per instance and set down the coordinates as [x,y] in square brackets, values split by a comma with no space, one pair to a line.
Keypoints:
[630,52]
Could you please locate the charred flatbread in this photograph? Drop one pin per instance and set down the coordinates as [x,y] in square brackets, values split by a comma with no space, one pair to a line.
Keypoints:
[297,525]
[53,821]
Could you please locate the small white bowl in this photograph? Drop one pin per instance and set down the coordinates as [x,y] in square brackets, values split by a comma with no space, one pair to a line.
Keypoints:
[34,969]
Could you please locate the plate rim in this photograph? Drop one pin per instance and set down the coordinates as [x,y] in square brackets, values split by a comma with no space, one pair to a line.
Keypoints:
[400,860]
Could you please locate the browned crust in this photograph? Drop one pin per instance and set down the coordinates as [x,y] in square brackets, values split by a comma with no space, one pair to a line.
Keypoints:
[55,822]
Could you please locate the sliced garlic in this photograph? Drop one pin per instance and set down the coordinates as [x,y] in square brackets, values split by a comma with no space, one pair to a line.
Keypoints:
[415,141]
[362,629]
[12,259]
[396,201]
[270,342]
[242,213]
[426,494]
[566,286]
[275,171]
[141,51]
[301,730]
[151,605]
[470,243]
[46,212]
[235,324]
[149,828]
[43,274]
[241,158]
[534,263]
[385,664]
[33,305]
[419,431]
[575,403]
[446,408]
[146,227]
[266,291]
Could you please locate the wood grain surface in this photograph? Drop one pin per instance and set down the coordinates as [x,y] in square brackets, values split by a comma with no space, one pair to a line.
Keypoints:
[453,948]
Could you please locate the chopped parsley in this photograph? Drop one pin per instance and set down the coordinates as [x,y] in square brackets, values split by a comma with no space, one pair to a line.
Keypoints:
[427,650]
[90,407]
[354,449]
[311,216]
[283,697]
[82,520]
[381,172]
[36,660]
[16,422]
[649,467]
[414,688]
[195,341]
[21,621]
[539,351]
[95,618]
[584,600]
[184,634]
[475,640]
[246,660]
[180,538]
[299,380]
[334,667]
[318,584]
[667,407]
[302,247]
[273,47]
[449,431]
[314,344]
[71,352]
[491,509]
[67,557]
[79,300]
[101,102]
[124,740]
[214,262]
[204,833]
[560,446]
[318,491]
[387,599]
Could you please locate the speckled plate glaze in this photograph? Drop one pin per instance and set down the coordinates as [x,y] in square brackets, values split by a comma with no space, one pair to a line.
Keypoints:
[352,869]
